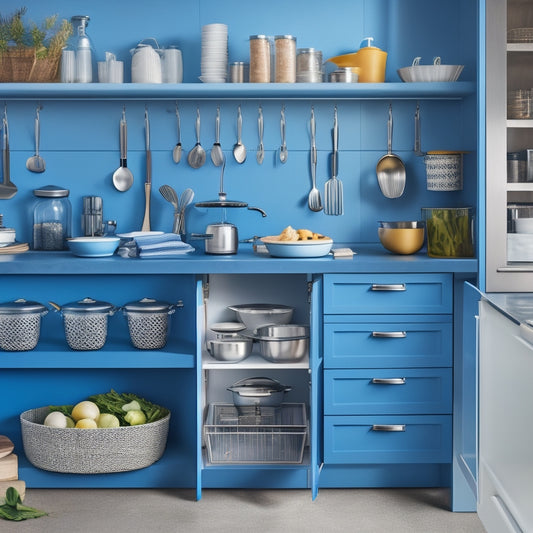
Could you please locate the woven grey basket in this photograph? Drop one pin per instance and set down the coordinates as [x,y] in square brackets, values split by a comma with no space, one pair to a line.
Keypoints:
[91,451]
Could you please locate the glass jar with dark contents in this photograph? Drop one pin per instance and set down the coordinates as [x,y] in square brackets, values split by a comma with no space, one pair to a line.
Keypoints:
[52,217]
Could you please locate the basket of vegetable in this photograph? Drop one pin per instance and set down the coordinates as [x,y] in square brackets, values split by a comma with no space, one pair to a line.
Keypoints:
[106,433]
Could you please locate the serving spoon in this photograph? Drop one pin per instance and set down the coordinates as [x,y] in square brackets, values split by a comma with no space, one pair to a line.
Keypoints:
[197,156]
[283,152]
[176,153]
[217,156]
[123,177]
[36,163]
[239,150]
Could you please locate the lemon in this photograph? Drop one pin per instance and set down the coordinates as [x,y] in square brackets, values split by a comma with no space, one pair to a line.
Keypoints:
[107,420]
[86,423]
[56,420]
[85,409]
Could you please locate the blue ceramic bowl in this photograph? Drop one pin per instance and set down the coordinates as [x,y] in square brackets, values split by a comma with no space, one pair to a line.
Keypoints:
[93,246]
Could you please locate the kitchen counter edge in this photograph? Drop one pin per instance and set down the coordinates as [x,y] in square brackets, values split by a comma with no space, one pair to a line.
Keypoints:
[368,258]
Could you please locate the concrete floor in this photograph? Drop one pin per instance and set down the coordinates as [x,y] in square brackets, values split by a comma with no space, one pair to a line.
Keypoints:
[236,511]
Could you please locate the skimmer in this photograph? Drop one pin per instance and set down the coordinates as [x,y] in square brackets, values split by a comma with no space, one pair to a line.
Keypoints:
[334,202]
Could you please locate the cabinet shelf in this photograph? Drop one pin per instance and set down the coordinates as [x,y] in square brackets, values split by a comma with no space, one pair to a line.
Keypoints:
[236,91]
[520,123]
[520,47]
[252,362]
[112,355]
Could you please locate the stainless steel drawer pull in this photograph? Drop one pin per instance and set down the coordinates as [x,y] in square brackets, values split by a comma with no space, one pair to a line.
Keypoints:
[388,287]
[389,334]
[388,381]
[388,427]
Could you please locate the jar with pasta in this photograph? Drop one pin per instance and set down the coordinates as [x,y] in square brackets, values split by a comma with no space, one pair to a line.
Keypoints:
[285,71]
[259,59]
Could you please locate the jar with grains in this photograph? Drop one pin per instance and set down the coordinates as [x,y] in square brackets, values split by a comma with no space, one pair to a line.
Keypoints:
[259,59]
[52,216]
[285,58]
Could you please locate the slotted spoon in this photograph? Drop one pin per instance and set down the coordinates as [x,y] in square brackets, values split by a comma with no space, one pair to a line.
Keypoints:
[170,195]
[390,169]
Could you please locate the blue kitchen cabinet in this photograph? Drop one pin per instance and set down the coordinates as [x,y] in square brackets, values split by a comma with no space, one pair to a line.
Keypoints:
[387,378]
[79,140]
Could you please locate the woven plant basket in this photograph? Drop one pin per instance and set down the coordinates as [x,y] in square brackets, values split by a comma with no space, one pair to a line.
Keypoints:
[45,70]
[17,64]
[91,451]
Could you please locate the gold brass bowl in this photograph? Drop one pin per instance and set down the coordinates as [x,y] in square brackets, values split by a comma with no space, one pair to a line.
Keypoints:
[403,237]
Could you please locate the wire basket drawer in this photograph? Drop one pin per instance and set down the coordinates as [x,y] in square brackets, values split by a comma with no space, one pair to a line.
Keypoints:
[264,435]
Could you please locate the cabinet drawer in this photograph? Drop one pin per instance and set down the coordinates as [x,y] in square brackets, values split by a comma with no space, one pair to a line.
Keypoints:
[390,391]
[387,344]
[387,439]
[388,293]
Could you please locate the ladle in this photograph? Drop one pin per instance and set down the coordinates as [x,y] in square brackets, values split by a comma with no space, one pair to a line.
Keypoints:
[197,156]
[239,150]
[283,152]
[176,153]
[36,163]
[314,201]
[390,169]
[123,177]
[217,156]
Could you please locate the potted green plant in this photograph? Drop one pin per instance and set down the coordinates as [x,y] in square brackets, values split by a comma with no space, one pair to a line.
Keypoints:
[31,52]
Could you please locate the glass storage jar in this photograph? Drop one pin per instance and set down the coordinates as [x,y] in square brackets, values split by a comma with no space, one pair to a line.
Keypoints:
[259,59]
[285,58]
[52,218]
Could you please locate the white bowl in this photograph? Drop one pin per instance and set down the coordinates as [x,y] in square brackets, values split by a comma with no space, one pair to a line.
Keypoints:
[296,249]
[93,246]
[524,225]
[430,73]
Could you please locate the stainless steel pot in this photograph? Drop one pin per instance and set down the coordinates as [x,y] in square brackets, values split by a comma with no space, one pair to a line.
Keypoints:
[282,343]
[230,349]
[258,392]
[221,238]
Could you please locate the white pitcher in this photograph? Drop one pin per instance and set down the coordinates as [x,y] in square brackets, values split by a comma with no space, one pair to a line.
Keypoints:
[146,63]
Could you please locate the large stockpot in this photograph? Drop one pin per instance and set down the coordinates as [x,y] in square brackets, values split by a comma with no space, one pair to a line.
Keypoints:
[20,324]
[85,323]
[258,392]
[148,322]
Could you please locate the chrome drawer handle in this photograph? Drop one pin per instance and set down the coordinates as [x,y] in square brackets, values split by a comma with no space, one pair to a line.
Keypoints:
[388,427]
[389,334]
[388,381]
[388,287]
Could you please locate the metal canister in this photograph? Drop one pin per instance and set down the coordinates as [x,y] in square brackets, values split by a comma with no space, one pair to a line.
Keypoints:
[309,65]
[516,167]
[344,75]
[259,59]
[238,72]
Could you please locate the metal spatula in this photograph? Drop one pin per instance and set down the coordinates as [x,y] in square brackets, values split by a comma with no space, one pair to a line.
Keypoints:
[333,197]
[7,188]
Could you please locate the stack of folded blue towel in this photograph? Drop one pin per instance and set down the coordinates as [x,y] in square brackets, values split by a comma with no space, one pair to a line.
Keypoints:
[162,246]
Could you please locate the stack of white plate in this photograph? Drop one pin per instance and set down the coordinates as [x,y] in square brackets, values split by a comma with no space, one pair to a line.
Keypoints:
[214,65]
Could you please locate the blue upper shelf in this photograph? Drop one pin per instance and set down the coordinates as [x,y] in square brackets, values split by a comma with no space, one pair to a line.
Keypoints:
[236,91]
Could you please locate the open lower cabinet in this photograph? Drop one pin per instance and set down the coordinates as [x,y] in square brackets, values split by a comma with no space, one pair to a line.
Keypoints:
[262,446]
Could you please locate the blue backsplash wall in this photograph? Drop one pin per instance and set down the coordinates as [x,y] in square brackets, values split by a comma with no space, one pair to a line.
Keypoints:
[79,138]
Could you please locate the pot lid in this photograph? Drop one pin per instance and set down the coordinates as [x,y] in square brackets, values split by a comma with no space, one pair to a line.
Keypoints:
[87,305]
[221,202]
[250,386]
[21,306]
[147,305]
[51,191]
